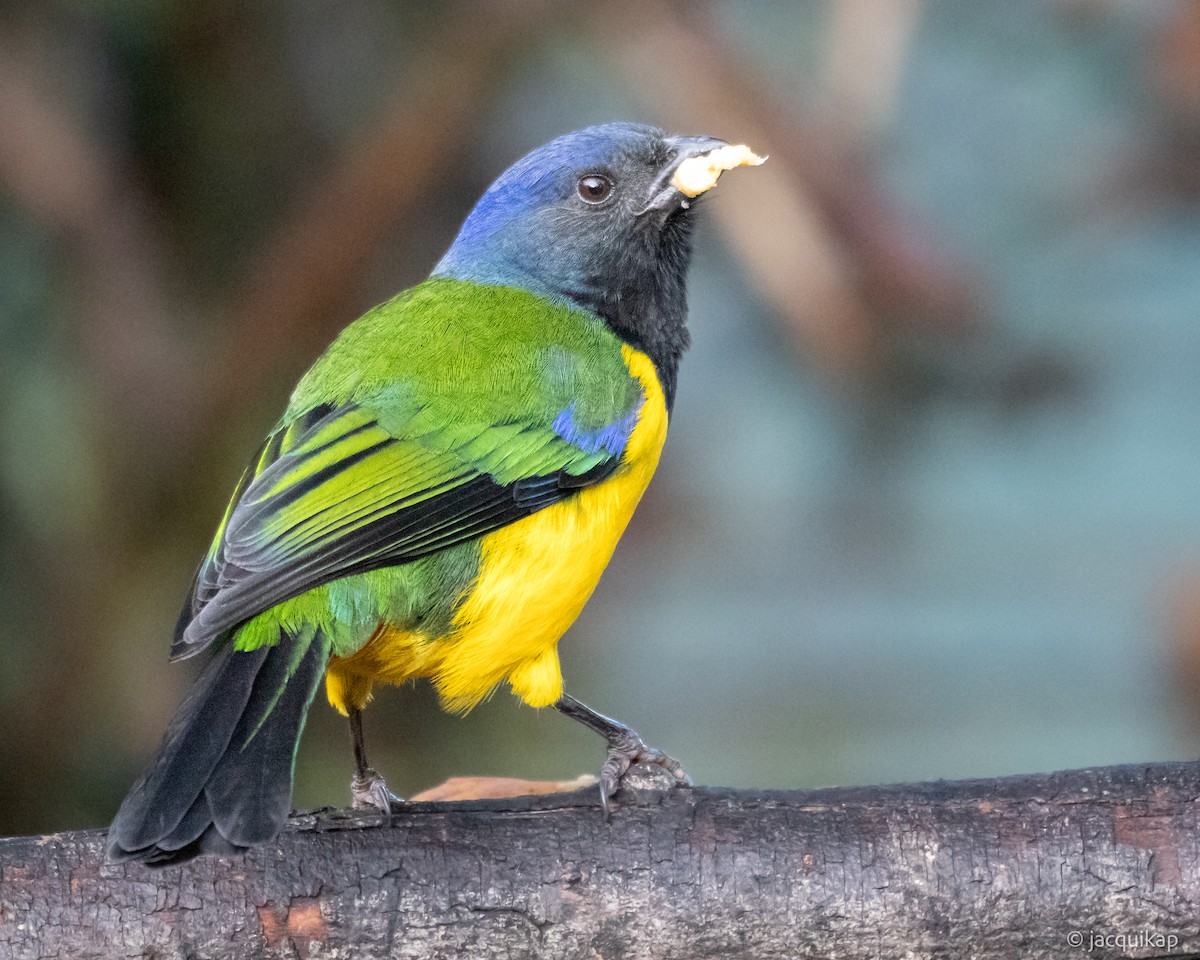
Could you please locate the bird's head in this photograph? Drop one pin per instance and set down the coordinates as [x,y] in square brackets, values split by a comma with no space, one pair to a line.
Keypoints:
[598,219]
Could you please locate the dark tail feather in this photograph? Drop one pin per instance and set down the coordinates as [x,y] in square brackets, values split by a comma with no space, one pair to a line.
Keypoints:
[222,779]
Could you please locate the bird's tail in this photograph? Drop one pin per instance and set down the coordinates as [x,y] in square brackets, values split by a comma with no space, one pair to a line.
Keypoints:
[222,779]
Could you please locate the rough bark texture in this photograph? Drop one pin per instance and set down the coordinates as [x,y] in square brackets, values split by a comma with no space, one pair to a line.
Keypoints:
[1095,863]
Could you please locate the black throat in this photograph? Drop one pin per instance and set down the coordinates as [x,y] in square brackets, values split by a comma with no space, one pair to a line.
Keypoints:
[656,328]
[649,310]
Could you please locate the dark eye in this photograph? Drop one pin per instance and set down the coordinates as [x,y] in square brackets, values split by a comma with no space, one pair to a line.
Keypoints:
[594,188]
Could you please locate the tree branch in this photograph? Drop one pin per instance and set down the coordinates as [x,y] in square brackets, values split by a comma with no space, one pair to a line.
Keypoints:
[1096,863]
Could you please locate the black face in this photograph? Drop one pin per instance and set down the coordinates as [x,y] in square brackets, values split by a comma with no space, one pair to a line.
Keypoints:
[591,218]
[629,246]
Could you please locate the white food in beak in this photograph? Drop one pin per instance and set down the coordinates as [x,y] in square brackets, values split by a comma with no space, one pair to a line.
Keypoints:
[697,174]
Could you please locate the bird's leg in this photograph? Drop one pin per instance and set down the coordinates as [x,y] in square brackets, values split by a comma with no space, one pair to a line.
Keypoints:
[367,789]
[625,748]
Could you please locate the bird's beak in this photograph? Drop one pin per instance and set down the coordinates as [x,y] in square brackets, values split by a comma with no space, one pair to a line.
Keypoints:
[685,147]
[680,182]
[663,197]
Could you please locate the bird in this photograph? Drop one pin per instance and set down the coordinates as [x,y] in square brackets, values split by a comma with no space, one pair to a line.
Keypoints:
[446,486]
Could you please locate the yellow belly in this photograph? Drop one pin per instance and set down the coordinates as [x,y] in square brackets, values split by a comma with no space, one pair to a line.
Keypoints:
[535,576]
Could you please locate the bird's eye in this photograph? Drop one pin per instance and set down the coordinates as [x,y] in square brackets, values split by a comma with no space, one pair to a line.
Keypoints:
[594,188]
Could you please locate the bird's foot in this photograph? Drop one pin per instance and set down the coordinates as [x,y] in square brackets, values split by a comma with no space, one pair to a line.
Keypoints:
[626,748]
[370,792]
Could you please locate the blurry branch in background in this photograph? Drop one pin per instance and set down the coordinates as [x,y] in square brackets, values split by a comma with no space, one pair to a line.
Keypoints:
[319,256]
[310,265]
[1172,62]
[1178,604]
[68,181]
[64,178]
[823,245]
[865,53]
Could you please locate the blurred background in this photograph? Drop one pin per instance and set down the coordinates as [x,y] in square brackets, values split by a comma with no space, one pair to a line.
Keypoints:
[931,502]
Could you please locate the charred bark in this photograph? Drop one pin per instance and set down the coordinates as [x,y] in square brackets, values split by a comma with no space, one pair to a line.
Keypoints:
[1095,863]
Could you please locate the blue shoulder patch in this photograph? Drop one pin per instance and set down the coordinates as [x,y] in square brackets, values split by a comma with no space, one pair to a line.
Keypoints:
[610,439]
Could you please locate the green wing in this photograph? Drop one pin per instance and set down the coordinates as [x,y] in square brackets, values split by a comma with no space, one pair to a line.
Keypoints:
[334,493]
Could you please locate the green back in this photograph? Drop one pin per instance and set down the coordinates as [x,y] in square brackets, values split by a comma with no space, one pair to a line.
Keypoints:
[444,413]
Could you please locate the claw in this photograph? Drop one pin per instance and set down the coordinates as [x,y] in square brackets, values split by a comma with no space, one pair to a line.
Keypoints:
[624,750]
[370,792]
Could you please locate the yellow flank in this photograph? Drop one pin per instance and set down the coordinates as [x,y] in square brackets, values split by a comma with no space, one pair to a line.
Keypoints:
[534,578]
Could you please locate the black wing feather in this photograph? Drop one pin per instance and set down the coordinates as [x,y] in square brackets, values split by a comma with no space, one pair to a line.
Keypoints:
[222,779]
